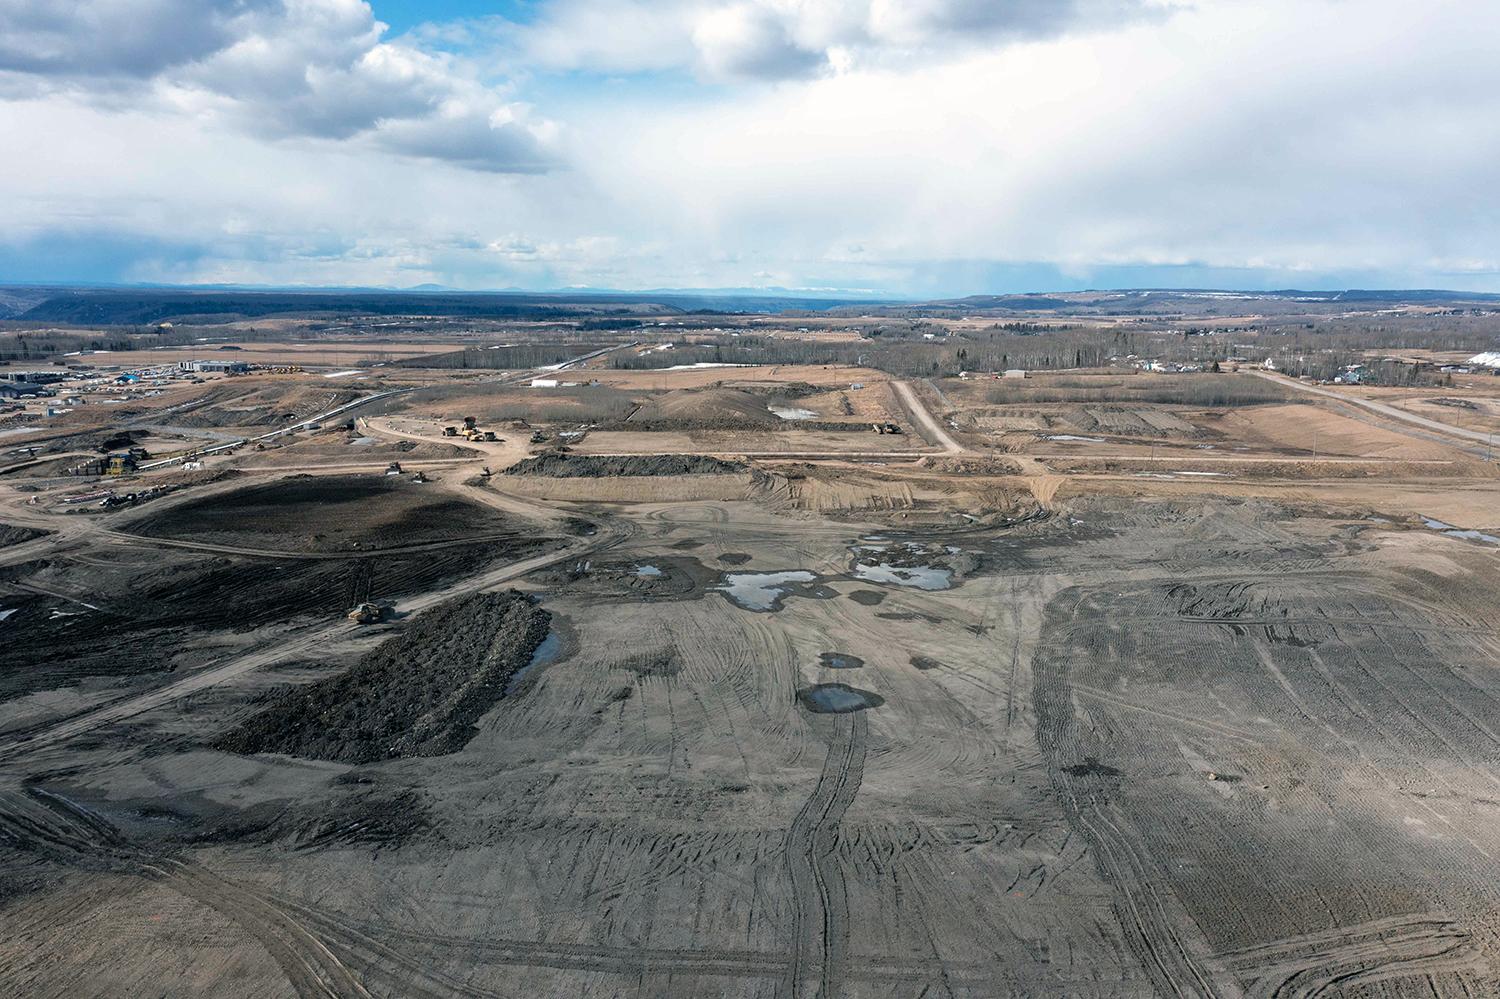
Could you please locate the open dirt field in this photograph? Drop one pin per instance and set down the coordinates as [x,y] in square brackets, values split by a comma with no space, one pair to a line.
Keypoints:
[843,758]
[716,706]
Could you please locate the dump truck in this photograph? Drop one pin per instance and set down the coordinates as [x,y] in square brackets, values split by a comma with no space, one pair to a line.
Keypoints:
[394,468]
[367,613]
[489,435]
[470,423]
[450,431]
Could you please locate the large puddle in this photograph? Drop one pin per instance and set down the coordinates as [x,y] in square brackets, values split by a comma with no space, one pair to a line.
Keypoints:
[792,413]
[762,591]
[840,660]
[837,699]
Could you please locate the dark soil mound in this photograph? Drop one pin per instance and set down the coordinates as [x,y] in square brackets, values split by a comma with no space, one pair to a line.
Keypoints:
[418,694]
[572,466]
[327,513]
[13,535]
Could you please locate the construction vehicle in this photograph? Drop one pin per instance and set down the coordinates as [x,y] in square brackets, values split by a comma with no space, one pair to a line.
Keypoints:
[489,435]
[450,431]
[470,434]
[885,428]
[419,477]
[394,468]
[470,423]
[367,613]
[120,464]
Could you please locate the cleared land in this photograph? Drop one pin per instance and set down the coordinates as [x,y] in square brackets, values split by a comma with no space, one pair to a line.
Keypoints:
[1095,684]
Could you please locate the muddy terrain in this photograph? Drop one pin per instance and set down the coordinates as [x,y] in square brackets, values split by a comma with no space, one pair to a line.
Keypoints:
[975,709]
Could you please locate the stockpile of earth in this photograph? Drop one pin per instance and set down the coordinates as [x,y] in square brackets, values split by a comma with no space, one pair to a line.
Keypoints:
[418,694]
[568,466]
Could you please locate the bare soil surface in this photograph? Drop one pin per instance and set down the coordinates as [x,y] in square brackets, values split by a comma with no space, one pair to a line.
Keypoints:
[974,725]
[328,514]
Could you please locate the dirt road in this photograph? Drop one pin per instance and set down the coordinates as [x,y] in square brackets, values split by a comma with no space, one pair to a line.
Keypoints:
[931,426]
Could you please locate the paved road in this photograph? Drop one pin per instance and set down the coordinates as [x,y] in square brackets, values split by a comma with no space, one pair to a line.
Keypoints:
[930,424]
[1381,408]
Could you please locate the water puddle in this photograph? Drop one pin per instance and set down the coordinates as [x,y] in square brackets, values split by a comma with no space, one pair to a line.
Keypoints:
[647,571]
[545,653]
[1459,532]
[840,660]
[837,699]
[7,612]
[923,577]
[793,413]
[1075,438]
[762,591]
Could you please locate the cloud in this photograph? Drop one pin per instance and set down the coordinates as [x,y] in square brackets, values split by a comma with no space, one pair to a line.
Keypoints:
[311,69]
[87,39]
[1282,143]
[728,40]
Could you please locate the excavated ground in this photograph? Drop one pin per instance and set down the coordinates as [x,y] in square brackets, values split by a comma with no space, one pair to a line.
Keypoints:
[322,513]
[1133,748]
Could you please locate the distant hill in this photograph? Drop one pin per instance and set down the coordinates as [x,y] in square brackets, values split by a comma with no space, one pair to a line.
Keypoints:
[139,306]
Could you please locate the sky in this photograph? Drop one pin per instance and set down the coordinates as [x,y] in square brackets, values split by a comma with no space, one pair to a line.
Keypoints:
[883,148]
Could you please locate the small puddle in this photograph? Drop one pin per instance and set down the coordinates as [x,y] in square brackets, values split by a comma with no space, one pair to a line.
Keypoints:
[1459,532]
[545,653]
[7,612]
[647,571]
[837,699]
[792,413]
[761,591]
[1075,438]
[840,660]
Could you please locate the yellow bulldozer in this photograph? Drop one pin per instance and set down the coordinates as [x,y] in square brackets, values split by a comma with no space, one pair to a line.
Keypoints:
[367,613]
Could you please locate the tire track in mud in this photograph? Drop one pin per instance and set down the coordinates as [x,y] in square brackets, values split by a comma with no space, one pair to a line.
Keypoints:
[820,901]
[76,838]
[1380,950]
[1163,939]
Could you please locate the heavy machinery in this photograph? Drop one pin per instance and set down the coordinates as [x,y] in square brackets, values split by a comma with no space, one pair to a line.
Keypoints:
[394,468]
[450,431]
[470,423]
[489,435]
[367,613]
